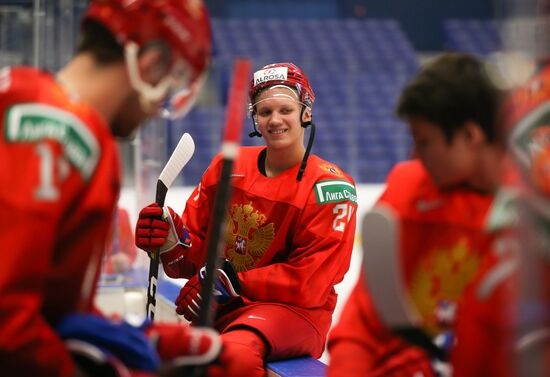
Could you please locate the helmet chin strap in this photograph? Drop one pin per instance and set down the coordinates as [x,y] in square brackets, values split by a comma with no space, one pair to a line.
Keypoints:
[308,148]
[255,132]
[149,92]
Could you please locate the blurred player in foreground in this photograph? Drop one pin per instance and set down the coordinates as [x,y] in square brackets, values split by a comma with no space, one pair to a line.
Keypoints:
[60,175]
[504,322]
[289,237]
[441,200]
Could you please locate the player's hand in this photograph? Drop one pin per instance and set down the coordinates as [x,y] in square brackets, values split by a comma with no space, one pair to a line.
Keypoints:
[179,345]
[189,300]
[160,229]
[226,287]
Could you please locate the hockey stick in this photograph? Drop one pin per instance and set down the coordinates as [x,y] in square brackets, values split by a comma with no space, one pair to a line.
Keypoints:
[384,278]
[234,117]
[179,158]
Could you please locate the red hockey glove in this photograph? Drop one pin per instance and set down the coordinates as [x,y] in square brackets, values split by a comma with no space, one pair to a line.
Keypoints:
[180,345]
[161,229]
[189,300]
[226,287]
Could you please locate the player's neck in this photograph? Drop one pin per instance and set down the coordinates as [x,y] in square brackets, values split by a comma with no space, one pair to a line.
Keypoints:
[488,177]
[280,160]
[103,88]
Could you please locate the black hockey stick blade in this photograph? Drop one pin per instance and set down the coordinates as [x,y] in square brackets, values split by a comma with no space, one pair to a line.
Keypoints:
[179,158]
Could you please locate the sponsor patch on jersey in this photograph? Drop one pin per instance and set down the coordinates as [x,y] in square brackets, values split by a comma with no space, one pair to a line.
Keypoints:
[28,123]
[270,74]
[332,191]
[331,169]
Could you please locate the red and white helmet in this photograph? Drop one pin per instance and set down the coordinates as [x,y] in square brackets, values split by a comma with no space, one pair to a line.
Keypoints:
[287,74]
[182,24]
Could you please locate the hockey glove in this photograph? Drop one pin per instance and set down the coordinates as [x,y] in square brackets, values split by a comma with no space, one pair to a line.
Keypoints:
[161,229]
[226,287]
[180,345]
[189,300]
[104,347]
[99,344]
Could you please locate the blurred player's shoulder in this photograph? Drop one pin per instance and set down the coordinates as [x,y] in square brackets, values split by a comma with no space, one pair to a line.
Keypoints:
[411,171]
[23,80]
[36,108]
[411,191]
[28,84]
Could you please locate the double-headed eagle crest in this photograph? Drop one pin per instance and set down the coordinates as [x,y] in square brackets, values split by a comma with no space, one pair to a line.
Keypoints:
[248,237]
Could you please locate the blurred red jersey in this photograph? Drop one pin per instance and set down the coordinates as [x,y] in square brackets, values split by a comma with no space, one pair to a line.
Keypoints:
[442,243]
[58,189]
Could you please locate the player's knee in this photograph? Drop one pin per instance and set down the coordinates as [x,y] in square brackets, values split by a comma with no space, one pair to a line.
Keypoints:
[242,355]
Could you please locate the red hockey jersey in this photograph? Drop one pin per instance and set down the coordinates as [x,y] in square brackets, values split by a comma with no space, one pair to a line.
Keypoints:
[58,189]
[443,241]
[290,241]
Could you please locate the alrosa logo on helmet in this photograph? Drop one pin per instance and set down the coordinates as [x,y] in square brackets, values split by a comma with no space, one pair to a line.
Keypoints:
[264,75]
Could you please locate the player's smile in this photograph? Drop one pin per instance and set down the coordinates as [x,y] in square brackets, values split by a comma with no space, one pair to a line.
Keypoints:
[277,131]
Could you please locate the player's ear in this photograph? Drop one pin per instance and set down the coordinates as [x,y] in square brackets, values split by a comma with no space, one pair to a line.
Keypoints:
[474,134]
[153,63]
[306,116]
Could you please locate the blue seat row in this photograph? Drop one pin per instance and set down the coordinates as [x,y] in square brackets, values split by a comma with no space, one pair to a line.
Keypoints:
[480,37]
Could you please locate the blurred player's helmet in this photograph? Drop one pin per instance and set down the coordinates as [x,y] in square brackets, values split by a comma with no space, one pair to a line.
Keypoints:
[526,119]
[287,74]
[182,25]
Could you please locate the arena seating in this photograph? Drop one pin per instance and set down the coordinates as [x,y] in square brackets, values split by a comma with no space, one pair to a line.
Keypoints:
[479,37]
[357,69]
